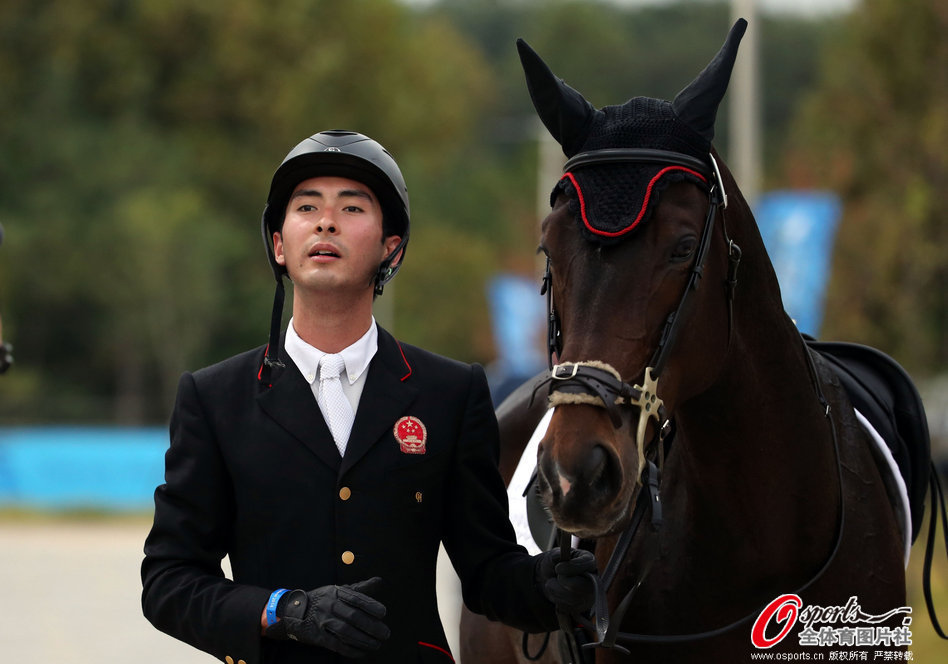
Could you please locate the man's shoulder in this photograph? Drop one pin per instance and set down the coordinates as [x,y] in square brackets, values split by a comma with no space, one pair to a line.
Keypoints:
[427,363]
[246,363]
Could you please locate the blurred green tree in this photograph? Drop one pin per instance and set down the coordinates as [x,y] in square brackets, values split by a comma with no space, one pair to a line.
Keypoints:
[139,136]
[876,132]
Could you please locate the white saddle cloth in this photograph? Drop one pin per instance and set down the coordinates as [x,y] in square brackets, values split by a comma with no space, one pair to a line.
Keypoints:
[528,462]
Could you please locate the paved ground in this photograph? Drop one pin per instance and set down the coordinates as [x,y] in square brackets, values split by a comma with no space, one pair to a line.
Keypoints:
[71,590]
[71,594]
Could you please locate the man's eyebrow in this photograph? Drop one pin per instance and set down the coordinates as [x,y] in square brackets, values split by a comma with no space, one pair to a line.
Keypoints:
[345,193]
[358,193]
[299,193]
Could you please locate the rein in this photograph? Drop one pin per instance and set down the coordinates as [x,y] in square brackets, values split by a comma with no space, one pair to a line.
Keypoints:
[596,383]
[627,637]
[606,626]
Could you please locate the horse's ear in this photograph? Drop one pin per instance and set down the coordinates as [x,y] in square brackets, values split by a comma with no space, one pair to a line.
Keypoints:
[697,104]
[563,110]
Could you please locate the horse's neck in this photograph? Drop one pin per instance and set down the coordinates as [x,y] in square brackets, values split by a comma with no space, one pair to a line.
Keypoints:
[763,413]
[756,448]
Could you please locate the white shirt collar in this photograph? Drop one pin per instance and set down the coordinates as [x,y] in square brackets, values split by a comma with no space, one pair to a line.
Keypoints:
[356,356]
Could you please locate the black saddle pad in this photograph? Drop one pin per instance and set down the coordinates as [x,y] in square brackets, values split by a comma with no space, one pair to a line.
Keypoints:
[884,393]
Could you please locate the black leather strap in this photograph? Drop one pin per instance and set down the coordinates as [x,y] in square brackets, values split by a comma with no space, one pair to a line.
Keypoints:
[638,156]
[293,605]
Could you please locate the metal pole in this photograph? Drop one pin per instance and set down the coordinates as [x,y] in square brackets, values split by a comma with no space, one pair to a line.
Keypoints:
[744,150]
[550,161]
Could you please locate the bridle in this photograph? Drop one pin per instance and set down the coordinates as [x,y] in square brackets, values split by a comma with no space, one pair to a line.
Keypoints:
[598,384]
[569,379]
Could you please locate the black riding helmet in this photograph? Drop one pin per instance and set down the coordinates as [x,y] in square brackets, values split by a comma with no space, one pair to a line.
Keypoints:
[345,154]
[336,153]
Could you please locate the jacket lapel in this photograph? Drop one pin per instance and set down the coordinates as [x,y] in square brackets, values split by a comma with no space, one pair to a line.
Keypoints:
[290,402]
[386,396]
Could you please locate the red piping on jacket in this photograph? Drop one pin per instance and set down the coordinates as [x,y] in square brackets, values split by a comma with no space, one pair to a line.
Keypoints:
[434,647]
[260,371]
[405,359]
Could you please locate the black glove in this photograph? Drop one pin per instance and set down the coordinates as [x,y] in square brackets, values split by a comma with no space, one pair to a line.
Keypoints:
[568,584]
[343,619]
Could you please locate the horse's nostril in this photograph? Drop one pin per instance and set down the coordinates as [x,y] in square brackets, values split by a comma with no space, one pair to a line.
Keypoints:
[593,474]
[600,473]
[595,465]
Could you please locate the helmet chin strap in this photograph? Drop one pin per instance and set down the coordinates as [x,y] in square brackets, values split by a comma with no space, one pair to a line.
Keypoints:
[272,356]
[387,271]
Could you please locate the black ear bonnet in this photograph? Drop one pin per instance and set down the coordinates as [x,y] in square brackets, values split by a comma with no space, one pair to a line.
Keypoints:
[613,198]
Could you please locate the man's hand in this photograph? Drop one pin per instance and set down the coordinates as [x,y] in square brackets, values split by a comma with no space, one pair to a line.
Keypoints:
[568,584]
[344,619]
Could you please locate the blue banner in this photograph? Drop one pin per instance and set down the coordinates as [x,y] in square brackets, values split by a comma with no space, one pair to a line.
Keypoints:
[799,229]
[518,318]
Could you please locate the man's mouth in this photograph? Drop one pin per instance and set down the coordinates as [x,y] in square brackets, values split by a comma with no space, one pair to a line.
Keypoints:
[324,251]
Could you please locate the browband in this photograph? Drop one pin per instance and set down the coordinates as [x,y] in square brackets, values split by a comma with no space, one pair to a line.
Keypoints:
[639,155]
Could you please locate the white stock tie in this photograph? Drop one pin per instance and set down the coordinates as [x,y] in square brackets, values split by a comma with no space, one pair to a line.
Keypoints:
[335,405]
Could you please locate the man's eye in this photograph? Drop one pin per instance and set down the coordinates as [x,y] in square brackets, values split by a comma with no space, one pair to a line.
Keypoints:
[352,208]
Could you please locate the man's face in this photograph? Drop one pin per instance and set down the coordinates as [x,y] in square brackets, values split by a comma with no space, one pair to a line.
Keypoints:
[331,239]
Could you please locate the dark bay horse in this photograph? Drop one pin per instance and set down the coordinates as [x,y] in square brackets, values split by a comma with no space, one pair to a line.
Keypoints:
[672,360]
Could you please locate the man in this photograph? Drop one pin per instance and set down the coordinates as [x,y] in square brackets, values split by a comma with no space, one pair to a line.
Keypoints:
[331,493]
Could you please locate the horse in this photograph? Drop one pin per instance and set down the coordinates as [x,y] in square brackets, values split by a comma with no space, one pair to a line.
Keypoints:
[710,458]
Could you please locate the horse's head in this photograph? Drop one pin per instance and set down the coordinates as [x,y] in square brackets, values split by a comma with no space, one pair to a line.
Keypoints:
[630,238]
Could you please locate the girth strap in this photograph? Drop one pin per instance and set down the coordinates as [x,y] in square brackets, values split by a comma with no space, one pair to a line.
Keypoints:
[937,497]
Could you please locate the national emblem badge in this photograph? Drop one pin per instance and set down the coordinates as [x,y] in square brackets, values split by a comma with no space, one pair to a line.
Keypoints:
[411,435]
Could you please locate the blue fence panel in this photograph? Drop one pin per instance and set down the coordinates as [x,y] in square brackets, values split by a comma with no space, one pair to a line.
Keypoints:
[79,467]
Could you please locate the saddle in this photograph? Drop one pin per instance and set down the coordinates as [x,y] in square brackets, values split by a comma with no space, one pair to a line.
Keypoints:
[884,394]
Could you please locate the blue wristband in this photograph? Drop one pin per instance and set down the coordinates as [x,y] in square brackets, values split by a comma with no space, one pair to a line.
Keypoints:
[272,605]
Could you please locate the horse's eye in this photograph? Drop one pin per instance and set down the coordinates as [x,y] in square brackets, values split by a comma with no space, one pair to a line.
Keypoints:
[685,248]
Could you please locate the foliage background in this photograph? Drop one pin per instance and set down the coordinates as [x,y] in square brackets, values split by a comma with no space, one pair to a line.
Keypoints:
[137,139]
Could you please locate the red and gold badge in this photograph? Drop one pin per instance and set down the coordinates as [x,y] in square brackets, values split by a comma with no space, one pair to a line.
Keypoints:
[411,435]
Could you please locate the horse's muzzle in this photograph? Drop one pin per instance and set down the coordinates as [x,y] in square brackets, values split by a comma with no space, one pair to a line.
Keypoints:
[580,481]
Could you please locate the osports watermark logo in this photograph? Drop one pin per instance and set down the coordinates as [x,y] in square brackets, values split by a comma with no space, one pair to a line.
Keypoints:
[830,626]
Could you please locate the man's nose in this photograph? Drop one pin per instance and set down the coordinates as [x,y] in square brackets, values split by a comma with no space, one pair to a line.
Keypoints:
[327,224]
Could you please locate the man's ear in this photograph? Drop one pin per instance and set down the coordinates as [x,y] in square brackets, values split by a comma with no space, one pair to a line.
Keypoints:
[390,243]
[278,249]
